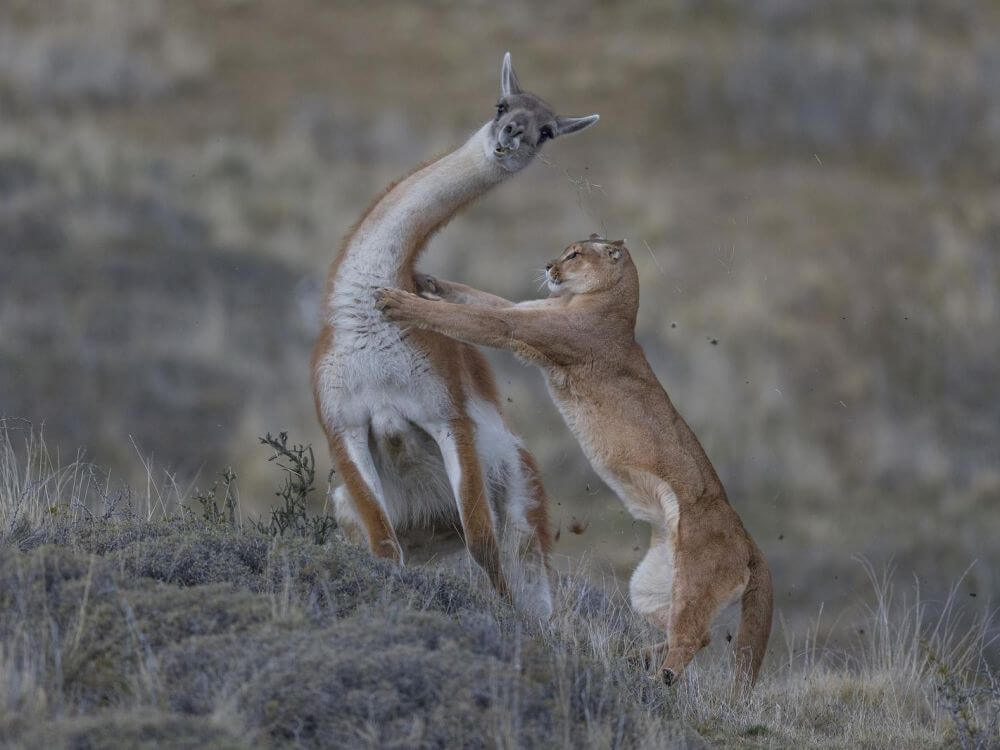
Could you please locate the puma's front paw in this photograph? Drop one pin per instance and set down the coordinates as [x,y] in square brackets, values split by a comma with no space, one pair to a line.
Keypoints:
[395,304]
[427,286]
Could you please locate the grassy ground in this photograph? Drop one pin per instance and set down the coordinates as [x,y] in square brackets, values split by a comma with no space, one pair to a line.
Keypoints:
[127,619]
[815,184]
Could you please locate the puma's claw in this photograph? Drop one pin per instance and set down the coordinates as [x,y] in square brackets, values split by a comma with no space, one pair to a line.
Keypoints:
[426,284]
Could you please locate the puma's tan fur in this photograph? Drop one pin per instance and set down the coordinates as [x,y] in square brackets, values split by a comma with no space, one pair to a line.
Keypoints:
[583,337]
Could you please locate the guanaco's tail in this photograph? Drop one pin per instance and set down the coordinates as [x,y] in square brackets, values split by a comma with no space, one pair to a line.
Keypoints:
[755,624]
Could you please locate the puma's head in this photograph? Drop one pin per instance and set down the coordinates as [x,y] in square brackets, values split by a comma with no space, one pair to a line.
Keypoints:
[591,265]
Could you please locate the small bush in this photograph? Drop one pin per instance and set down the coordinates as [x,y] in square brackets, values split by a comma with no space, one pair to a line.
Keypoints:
[210,510]
[299,465]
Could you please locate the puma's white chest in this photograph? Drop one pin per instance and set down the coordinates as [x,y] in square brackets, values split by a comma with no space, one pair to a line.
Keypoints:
[584,423]
[636,489]
[582,418]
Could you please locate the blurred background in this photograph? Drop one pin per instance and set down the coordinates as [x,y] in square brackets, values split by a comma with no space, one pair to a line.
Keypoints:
[810,191]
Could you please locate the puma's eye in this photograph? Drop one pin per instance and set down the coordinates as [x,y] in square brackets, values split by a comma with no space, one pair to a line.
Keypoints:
[501,108]
[544,134]
[572,255]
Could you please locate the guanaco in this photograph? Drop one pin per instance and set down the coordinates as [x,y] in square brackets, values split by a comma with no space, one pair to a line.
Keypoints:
[413,419]
[700,556]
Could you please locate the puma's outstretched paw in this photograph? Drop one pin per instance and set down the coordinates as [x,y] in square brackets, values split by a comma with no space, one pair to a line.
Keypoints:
[394,304]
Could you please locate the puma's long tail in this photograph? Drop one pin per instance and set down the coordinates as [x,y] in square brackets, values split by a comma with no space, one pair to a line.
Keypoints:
[755,624]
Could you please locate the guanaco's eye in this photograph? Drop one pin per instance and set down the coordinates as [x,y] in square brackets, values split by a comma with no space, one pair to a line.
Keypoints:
[544,134]
[501,108]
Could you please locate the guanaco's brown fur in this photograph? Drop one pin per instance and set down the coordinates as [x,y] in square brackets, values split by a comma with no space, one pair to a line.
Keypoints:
[413,419]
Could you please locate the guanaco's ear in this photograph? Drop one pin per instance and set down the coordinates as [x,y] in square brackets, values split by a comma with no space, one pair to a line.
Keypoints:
[567,125]
[508,80]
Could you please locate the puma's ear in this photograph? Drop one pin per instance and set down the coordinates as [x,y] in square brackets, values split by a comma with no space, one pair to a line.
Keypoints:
[615,250]
[595,236]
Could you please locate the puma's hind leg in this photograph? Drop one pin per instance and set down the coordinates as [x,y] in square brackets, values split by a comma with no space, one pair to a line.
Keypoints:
[650,592]
[702,587]
[688,634]
[654,654]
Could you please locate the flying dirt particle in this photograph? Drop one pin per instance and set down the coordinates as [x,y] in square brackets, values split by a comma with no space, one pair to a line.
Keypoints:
[510,400]
[861,631]
[636,548]
[780,537]
[713,342]
[729,637]
[972,594]
[673,325]
[578,527]
[558,533]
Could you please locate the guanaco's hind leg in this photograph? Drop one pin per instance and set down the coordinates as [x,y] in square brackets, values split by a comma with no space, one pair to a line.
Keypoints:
[357,468]
[527,518]
[461,462]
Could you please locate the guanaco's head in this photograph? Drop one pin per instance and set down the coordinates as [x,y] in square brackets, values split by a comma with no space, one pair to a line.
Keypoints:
[592,265]
[524,122]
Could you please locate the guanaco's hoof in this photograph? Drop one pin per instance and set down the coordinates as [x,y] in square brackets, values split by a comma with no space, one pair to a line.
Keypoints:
[668,677]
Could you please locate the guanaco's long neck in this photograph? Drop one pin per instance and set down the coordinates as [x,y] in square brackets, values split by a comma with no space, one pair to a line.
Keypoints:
[385,246]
